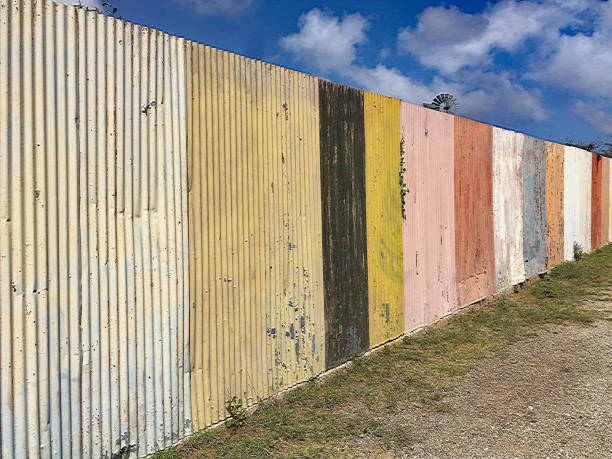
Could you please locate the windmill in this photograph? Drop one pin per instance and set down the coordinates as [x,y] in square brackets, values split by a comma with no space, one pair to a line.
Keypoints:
[444,103]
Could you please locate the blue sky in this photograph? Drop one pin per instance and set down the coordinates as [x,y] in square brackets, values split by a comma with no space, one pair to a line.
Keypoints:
[541,67]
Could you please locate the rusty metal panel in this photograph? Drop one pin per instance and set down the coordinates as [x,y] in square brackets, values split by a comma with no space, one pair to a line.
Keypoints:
[596,202]
[429,223]
[384,218]
[535,247]
[578,166]
[554,202]
[93,267]
[474,228]
[605,198]
[508,208]
[255,228]
[345,267]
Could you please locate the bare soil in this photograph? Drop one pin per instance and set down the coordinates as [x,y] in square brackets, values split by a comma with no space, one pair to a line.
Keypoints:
[550,396]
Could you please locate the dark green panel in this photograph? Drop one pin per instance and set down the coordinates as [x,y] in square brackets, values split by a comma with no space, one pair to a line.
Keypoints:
[344,222]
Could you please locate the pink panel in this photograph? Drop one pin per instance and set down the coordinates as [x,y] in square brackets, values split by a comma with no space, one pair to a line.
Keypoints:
[429,226]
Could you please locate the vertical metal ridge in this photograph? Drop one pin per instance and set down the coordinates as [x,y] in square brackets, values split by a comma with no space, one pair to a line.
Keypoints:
[74,232]
[508,207]
[554,203]
[384,218]
[256,237]
[576,200]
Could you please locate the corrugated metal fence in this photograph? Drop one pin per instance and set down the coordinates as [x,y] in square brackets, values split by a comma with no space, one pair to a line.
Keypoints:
[180,225]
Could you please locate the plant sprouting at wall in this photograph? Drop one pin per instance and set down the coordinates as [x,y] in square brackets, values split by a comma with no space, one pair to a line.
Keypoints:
[403,187]
[578,252]
[236,411]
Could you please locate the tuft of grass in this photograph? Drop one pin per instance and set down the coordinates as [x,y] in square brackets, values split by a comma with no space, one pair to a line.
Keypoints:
[364,398]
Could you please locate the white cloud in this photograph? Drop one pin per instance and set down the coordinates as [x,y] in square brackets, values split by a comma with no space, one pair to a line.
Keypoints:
[600,118]
[325,41]
[329,45]
[86,3]
[447,39]
[209,7]
[582,62]
[495,98]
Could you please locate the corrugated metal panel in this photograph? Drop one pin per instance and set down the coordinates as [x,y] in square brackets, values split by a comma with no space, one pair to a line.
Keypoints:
[577,200]
[92,241]
[554,202]
[596,202]
[535,247]
[255,224]
[344,222]
[384,218]
[508,207]
[430,289]
[474,229]
[610,205]
[605,201]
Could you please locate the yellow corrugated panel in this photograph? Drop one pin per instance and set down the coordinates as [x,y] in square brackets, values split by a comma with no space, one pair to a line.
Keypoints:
[93,235]
[255,230]
[384,218]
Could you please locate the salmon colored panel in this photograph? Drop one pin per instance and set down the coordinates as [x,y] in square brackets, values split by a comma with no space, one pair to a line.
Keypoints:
[605,201]
[554,202]
[596,220]
[474,247]
[383,218]
[429,224]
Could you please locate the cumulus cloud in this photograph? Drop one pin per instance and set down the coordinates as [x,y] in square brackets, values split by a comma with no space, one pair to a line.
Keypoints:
[326,41]
[210,7]
[600,118]
[329,45]
[447,39]
[582,62]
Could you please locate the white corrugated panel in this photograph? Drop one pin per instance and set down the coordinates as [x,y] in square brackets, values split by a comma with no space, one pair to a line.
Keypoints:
[94,355]
[577,200]
[508,207]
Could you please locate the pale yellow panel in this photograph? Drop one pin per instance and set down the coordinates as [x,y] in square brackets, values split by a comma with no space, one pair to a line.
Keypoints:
[384,218]
[255,230]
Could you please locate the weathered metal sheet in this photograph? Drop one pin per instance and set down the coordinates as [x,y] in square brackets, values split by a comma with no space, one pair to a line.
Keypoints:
[474,228]
[605,201]
[554,202]
[384,218]
[596,202]
[508,207]
[255,230]
[345,260]
[578,165]
[93,267]
[535,246]
[430,289]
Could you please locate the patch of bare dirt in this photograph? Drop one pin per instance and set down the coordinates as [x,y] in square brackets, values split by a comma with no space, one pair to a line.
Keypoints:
[550,396]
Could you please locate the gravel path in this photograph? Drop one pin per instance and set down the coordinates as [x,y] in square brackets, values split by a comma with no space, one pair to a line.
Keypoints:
[550,397]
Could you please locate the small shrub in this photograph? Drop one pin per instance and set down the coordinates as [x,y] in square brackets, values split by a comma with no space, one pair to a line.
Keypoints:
[578,252]
[236,411]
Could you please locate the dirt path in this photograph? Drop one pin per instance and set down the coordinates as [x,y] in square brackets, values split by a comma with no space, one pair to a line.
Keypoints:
[551,396]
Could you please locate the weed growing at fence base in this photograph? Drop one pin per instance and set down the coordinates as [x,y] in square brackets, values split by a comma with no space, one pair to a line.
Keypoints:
[360,400]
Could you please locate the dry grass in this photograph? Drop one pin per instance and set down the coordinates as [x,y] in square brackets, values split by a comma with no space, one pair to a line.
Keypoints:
[323,417]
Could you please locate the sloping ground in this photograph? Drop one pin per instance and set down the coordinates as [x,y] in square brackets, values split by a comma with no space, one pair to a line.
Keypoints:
[527,374]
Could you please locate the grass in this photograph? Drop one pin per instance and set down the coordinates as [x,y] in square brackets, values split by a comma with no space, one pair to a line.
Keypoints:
[361,401]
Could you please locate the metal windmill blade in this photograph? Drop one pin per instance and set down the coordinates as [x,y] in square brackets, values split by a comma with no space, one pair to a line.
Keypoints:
[444,103]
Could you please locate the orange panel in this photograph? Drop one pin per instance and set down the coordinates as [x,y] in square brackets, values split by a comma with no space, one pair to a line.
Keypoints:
[554,202]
